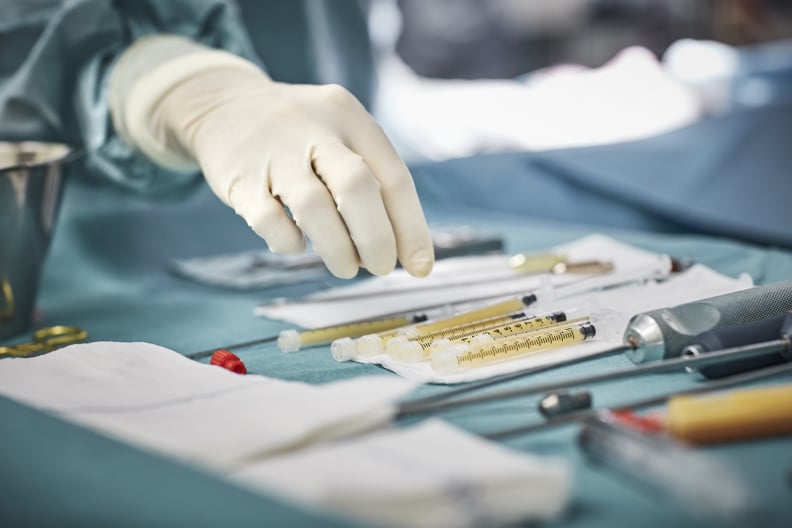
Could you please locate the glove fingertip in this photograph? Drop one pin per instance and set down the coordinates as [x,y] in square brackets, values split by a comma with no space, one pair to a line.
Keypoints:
[382,268]
[345,272]
[420,263]
[291,248]
[286,240]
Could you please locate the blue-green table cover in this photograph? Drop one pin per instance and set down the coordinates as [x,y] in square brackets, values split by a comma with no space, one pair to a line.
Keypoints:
[108,272]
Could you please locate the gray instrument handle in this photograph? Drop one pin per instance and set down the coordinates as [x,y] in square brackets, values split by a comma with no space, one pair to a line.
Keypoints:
[662,334]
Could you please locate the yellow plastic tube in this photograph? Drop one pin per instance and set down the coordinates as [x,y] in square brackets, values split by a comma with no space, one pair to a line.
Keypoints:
[740,415]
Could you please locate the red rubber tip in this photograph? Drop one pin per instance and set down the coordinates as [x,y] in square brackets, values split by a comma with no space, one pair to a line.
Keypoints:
[225,359]
[644,424]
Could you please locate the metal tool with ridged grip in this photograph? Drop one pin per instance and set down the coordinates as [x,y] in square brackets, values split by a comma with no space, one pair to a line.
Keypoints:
[662,334]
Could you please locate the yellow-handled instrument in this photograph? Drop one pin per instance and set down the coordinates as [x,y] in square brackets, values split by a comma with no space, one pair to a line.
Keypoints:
[740,415]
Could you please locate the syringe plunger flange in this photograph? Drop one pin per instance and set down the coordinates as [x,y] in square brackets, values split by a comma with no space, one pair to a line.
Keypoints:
[289,340]
[344,349]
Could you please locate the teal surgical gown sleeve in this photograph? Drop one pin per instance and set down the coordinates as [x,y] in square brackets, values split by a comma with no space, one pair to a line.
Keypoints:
[55,61]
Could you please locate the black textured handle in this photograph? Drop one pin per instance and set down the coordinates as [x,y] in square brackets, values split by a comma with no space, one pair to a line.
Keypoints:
[769,329]
[734,336]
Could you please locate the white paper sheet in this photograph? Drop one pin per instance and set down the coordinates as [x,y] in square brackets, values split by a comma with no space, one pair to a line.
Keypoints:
[430,475]
[457,279]
[153,397]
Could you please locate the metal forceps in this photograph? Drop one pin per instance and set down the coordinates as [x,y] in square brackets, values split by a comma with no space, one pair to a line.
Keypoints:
[46,340]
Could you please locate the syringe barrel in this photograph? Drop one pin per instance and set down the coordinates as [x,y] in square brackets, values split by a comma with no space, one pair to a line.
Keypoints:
[464,356]
[662,334]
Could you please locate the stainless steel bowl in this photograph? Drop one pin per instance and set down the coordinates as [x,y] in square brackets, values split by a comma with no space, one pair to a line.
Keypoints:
[31,177]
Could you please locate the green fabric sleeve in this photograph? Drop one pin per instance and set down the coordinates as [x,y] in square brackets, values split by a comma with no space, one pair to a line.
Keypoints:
[56,90]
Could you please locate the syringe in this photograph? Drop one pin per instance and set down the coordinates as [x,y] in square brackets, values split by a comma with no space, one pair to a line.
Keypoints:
[291,340]
[547,292]
[297,338]
[435,403]
[372,345]
[395,344]
[513,328]
[421,348]
[464,356]
[345,349]
[665,332]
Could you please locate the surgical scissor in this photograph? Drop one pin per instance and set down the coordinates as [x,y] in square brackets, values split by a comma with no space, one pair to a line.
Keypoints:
[46,340]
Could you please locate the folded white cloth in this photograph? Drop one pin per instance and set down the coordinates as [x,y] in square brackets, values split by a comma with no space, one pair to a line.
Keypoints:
[266,433]
[429,475]
[155,398]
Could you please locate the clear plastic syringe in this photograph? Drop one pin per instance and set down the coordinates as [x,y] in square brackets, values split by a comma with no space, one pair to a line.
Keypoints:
[291,340]
[420,348]
[373,344]
[499,333]
[465,356]
[473,328]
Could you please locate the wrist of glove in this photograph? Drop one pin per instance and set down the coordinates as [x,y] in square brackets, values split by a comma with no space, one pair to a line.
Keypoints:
[293,161]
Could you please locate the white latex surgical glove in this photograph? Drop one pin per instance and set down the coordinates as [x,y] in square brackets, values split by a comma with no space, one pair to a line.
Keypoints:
[265,147]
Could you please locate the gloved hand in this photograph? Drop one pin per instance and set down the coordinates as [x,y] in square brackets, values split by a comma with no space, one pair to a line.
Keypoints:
[264,146]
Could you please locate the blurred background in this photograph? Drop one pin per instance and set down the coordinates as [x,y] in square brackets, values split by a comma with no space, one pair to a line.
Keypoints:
[465,77]
[472,39]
